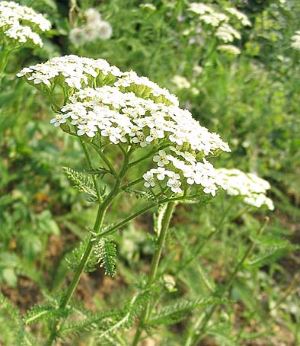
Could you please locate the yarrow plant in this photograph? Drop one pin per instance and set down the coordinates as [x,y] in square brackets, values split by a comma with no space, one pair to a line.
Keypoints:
[222,24]
[19,26]
[109,110]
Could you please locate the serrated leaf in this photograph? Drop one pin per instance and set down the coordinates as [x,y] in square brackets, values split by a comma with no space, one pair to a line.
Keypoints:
[106,253]
[44,312]
[269,255]
[177,310]
[81,182]
[73,258]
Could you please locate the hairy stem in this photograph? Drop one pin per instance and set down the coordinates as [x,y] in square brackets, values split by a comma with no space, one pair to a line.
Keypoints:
[154,267]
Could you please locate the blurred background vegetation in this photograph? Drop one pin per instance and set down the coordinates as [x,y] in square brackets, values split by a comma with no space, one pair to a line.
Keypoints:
[250,99]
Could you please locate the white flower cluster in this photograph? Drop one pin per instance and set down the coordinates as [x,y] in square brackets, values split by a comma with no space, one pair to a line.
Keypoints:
[230,49]
[296,40]
[248,185]
[227,33]
[180,169]
[94,28]
[136,111]
[181,82]
[21,24]
[240,16]
[143,87]
[132,109]
[219,21]
[72,71]
[76,72]
[126,117]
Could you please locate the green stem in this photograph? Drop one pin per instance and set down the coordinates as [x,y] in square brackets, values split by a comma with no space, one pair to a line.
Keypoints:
[97,227]
[154,267]
[87,155]
[72,287]
[4,55]
[192,338]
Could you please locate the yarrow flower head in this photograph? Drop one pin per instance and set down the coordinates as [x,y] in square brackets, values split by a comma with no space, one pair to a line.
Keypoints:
[131,111]
[249,186]
[220,24]
[20,25]
[109,107]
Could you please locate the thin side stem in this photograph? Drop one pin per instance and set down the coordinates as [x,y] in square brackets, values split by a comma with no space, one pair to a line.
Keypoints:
[87,155]
[154,267]
[195,335]
[105,160]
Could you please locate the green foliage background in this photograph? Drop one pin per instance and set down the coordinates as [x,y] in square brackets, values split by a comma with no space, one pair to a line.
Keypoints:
[251,100]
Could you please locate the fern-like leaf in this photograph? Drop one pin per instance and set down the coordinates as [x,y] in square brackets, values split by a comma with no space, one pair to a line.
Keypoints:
[106,253]
[81,182]
[11,315]
[177,310]
[44,313]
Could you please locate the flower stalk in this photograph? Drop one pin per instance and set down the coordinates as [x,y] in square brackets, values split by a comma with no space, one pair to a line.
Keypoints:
[163,232]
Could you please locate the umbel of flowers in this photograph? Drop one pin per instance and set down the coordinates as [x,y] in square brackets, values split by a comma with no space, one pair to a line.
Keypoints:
[132,112]
[108,107]
[21,25]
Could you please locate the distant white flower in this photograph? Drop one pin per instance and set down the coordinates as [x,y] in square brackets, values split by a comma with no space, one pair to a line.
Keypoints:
[239,15]
[94,28]
[296,40]
[181,82]
[77,36]
[197,70]
[200,8]
[214,19]
[92,15]
[104,30]
[148,6]
[230,49]
[227,33]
